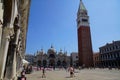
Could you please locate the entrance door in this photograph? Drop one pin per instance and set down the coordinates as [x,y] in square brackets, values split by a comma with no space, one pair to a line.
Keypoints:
[52,62]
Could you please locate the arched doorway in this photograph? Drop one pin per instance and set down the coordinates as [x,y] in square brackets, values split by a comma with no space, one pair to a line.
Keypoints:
[39,63]
[64,63]
[44,63]
[51,62]
[58,63]
[52,56]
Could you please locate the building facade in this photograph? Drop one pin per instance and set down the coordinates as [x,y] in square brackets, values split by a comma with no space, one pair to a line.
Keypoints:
[1,18]
[84,37]
[52,58]
[13,31]
[74,59]
[110,54]
[96,59]
[30,58]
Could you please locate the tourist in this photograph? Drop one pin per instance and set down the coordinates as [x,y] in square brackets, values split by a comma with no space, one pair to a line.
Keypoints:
[23,75]
[53,67]
[71,69]
[43,73]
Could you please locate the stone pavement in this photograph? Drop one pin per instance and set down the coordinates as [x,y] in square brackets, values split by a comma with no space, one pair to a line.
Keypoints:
[86,74]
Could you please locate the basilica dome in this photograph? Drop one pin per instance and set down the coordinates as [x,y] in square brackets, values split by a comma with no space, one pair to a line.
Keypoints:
[60,53]
[51,52]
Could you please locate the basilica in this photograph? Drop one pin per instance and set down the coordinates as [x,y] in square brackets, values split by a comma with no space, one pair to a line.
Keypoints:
[52,58]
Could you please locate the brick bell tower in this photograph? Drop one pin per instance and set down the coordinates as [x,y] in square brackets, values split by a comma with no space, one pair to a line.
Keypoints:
[85,52]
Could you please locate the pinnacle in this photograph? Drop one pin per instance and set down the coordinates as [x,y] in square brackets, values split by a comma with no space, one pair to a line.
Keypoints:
[81,6]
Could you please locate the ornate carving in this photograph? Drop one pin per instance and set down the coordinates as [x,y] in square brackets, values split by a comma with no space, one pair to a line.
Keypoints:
[8,31]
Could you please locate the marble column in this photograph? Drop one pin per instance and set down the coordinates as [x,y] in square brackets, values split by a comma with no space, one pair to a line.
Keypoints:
[3,50]
[16,37]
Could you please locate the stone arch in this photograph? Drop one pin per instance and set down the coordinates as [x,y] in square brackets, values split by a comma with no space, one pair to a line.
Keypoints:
[64,63]
[58,63]
[51,62]
[44,63]
[39,63]
[10,14]
[52,56]
[12,53]
[11,7]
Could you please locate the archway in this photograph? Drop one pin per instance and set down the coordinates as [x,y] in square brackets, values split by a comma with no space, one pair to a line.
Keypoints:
[44,63]
[64,63]
[51,62]
[39,63]
[58,63]
[52,56]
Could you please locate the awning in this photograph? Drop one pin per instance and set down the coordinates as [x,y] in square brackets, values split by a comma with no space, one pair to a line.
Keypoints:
[25,61]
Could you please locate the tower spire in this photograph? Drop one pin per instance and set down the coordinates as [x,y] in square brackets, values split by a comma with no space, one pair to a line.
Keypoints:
[81,6]
[82,16]
[84,49]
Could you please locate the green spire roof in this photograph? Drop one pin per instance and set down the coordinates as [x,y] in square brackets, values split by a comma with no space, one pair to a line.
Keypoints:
[81,6]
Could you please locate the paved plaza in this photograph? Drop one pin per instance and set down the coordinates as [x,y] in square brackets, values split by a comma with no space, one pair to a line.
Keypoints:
[85,74]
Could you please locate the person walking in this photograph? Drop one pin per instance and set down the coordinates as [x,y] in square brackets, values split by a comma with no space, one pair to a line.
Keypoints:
[71,70]
[23,75]
[43,73]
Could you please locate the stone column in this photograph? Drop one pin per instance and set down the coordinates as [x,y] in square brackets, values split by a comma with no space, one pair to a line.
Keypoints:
[3,50]
[17,36]
[1,19]
[0,32]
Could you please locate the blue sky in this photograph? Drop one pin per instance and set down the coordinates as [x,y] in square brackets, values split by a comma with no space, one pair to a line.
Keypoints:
[54,22]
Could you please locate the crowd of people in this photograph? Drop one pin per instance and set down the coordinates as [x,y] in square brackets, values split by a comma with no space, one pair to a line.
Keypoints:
[70,69]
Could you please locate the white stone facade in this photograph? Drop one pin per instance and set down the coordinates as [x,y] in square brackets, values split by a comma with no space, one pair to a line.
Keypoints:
[52,58]
[13,28]
[74,58]
[1,18]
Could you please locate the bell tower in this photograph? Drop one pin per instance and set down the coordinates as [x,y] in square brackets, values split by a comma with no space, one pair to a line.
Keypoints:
[85,52]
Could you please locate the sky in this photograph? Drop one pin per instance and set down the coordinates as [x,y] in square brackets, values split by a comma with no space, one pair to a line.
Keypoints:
[53,22]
